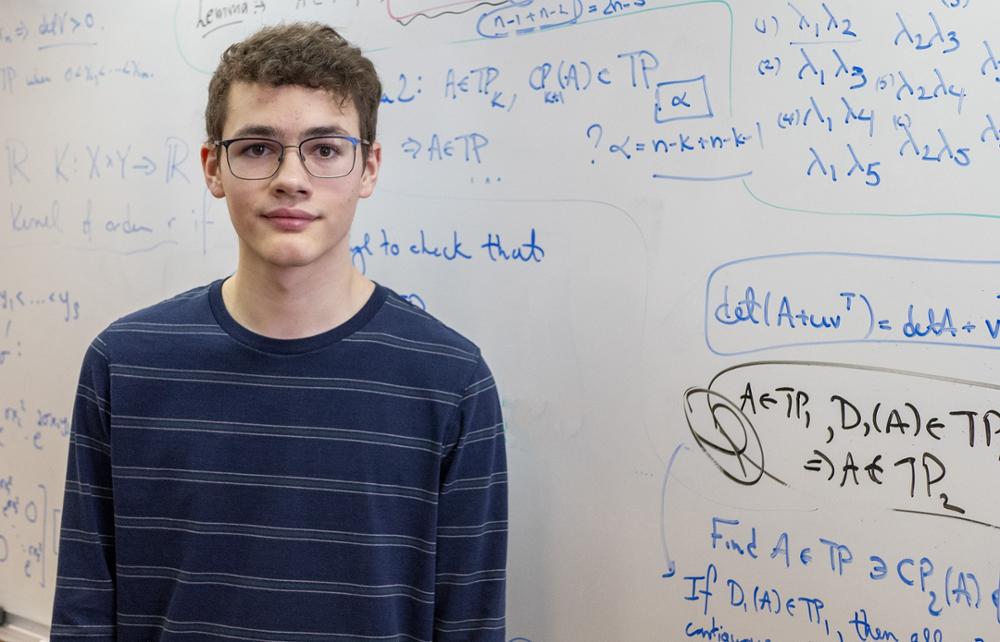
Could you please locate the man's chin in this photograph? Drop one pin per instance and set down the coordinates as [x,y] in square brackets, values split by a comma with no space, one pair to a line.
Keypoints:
[290,262]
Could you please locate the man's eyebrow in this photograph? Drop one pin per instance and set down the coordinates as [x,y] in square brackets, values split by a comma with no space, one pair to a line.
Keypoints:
[325,130]
[272,132]
[256,130]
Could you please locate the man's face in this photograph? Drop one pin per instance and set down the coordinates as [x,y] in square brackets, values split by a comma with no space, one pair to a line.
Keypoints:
[292,219]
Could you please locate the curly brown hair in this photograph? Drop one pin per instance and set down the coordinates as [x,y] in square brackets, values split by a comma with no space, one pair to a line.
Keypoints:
[307,54]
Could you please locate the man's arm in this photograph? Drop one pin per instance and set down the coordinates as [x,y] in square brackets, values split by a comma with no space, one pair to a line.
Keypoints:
[85,584]
[472,520]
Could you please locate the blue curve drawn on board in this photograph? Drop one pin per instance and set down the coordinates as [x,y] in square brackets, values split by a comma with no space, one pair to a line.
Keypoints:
[671,566]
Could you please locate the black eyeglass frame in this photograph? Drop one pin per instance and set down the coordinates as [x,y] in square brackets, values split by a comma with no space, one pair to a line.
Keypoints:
[281,157]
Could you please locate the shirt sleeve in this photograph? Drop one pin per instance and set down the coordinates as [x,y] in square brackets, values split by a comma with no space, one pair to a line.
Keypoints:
[84,606]
[472,520]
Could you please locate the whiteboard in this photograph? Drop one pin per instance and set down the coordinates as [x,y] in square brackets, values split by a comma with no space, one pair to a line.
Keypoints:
[732,263]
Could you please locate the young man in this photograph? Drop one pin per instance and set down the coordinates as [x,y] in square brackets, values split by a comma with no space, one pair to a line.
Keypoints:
[292,453]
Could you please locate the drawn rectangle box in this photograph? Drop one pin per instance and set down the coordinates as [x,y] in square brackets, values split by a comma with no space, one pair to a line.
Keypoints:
[682,100]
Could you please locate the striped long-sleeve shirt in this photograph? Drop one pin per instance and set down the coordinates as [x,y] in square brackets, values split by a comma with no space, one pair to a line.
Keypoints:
[225,485]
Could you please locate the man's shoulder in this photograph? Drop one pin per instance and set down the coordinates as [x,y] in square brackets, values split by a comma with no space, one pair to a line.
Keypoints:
[404,322]
[183,314]
[190,306]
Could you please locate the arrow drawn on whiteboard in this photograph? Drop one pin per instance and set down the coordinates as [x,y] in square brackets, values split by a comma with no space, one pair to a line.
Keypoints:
[671,566]
[411,146]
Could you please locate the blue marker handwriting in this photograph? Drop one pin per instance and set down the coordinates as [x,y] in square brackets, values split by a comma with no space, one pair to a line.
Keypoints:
[748,315]
[936,89]
[90,74]
[55,29]
[450,248]
[679,144]
[814,27]
[813,114]
[463,147]
[167,162]
[95,74]
[990,131]
[942,586]
[479,82]
[227,14]
[848,313]
[856,167]
[58,224]
[761,598]
[914,147]
[531,16]
[553,79]
[806,116]
[520,18]
[21,422]
[5,353]
[935,38]
[990,66]
[403,93]
[21,222]
[16,301]
[714,630]
[814,68]
[28,509]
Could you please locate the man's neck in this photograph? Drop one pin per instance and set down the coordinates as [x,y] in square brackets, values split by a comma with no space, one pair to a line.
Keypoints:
[293,303]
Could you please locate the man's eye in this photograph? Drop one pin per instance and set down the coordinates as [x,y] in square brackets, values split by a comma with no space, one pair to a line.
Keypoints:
[253,149]
[326,151]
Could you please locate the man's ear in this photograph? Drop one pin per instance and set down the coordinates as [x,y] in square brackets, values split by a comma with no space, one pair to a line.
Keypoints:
[369,174]
[212,168]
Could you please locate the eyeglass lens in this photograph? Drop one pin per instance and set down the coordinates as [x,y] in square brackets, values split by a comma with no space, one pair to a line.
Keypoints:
[326,157]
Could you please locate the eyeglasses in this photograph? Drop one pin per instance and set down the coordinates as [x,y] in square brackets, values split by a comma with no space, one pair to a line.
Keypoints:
[255,159]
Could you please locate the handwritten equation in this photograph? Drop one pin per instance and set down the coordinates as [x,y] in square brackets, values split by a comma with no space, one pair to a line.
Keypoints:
[51,29]
[72,163]
[913,444]
[909,441]
[857,101]
[36,427]
[720,595]
[29,529]
[759,303]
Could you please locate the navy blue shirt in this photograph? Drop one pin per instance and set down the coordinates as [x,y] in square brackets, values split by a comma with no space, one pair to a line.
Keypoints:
[226,485]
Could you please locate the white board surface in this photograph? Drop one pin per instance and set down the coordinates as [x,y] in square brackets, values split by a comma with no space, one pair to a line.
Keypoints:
[734,265]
